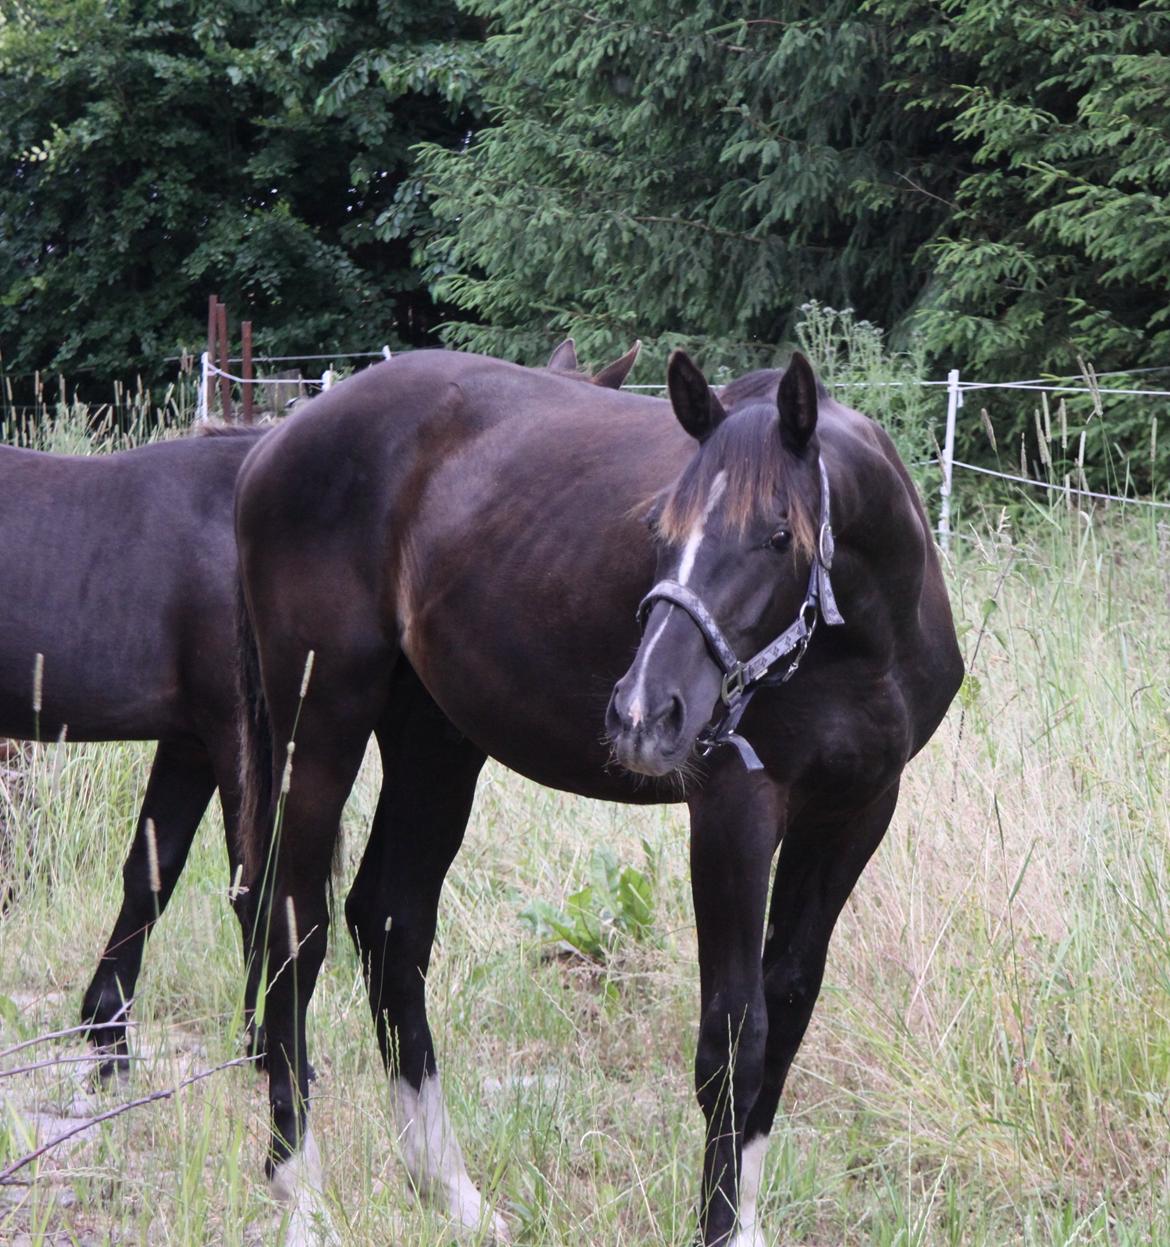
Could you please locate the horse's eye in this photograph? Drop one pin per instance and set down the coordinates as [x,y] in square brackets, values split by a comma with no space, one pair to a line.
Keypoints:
[779,539]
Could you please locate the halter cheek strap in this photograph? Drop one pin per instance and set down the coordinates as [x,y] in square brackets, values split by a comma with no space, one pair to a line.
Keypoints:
[742,680]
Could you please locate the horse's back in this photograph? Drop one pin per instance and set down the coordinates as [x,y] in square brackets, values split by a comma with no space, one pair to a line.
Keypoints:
[486,516]
[118,571]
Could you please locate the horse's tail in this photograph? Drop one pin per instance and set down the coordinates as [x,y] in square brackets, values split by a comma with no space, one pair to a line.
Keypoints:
[255,728]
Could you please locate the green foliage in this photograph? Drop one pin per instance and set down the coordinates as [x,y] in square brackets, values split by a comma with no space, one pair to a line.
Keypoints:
[858,365]
[987,180]
[154,151]
[617,902]
[1056,244]
[683,173]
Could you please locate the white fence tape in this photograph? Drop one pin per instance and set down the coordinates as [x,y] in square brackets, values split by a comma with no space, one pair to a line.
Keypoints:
[1061,489]
[956,390]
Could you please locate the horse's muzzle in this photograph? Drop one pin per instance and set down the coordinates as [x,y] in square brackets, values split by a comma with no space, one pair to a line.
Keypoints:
[647,741]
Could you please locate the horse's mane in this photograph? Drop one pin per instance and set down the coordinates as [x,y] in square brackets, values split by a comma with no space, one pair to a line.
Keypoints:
[217,428]
[759,471]
[757,387]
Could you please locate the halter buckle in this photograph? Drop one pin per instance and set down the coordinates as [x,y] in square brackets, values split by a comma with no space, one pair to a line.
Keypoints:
[826,545]
[734,683]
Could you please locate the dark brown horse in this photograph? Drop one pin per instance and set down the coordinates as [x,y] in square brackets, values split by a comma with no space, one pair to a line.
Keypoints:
[117,600]
[118,587]
[463,545]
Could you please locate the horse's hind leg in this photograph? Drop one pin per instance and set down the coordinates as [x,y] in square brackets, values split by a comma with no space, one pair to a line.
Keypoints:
[244,900]
[180,786]
[430,776]
[817,869]
[343,704]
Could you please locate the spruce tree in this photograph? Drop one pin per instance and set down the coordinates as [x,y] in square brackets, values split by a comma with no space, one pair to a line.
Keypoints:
[688,173]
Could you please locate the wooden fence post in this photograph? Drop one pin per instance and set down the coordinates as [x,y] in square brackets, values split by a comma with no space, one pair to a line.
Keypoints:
[209,357]
[246,371]
[225,386]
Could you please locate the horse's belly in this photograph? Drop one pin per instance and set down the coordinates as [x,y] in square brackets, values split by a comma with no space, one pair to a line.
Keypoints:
[95,688]
[542,718]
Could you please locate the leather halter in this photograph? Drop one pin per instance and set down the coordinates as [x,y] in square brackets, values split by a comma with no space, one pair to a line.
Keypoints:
[742,680]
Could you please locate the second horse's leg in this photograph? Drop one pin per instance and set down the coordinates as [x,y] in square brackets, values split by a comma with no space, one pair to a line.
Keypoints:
[244,900]
[180,786]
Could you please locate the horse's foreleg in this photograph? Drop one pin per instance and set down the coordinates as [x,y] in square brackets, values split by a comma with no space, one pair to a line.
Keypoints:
[733,834]
[430,775]
[180,786]
[818,867]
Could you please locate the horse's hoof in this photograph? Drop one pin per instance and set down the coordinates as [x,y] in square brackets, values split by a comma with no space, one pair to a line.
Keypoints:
[112,1070]
[309,1230]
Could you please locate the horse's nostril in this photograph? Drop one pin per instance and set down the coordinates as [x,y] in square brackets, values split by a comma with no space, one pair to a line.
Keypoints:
[615,716]
[676,714]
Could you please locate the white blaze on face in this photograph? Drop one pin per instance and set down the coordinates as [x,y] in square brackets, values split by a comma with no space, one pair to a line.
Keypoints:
[686,566]
[297,1182]
[694,540]
[747,1233]
[432,1154]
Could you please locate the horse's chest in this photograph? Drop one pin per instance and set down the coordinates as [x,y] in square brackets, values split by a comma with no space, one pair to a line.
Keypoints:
[845,743]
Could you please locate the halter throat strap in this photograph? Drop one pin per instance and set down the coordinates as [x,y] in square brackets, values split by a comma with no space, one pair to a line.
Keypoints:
[742,680]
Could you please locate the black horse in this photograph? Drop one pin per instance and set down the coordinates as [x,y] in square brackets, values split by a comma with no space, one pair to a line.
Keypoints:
[463,545]
[117,622]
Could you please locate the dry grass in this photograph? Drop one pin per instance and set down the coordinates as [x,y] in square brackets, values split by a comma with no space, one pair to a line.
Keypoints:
[989,1063]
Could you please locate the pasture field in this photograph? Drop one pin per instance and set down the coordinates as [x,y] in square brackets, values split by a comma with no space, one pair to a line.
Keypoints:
[989,1062]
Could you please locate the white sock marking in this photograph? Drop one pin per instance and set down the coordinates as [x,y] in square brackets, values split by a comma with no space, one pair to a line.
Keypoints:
[432,1154]
[747,1233]
[297,1182]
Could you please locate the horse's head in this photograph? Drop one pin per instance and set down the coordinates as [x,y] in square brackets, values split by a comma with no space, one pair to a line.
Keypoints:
[611,377]
[737,539]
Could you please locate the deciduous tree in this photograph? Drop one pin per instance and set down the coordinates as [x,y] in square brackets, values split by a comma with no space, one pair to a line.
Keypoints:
[154,151]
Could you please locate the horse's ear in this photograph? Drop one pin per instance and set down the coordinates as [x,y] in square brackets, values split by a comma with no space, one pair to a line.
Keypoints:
[564,358]
[693,400]
[613,375]
[797,403]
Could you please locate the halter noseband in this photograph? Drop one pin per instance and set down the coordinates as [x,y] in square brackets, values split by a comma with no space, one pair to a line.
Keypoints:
[742,680]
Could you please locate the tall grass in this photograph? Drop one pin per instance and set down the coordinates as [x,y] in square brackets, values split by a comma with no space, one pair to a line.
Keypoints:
[46,414]
[989,1062]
